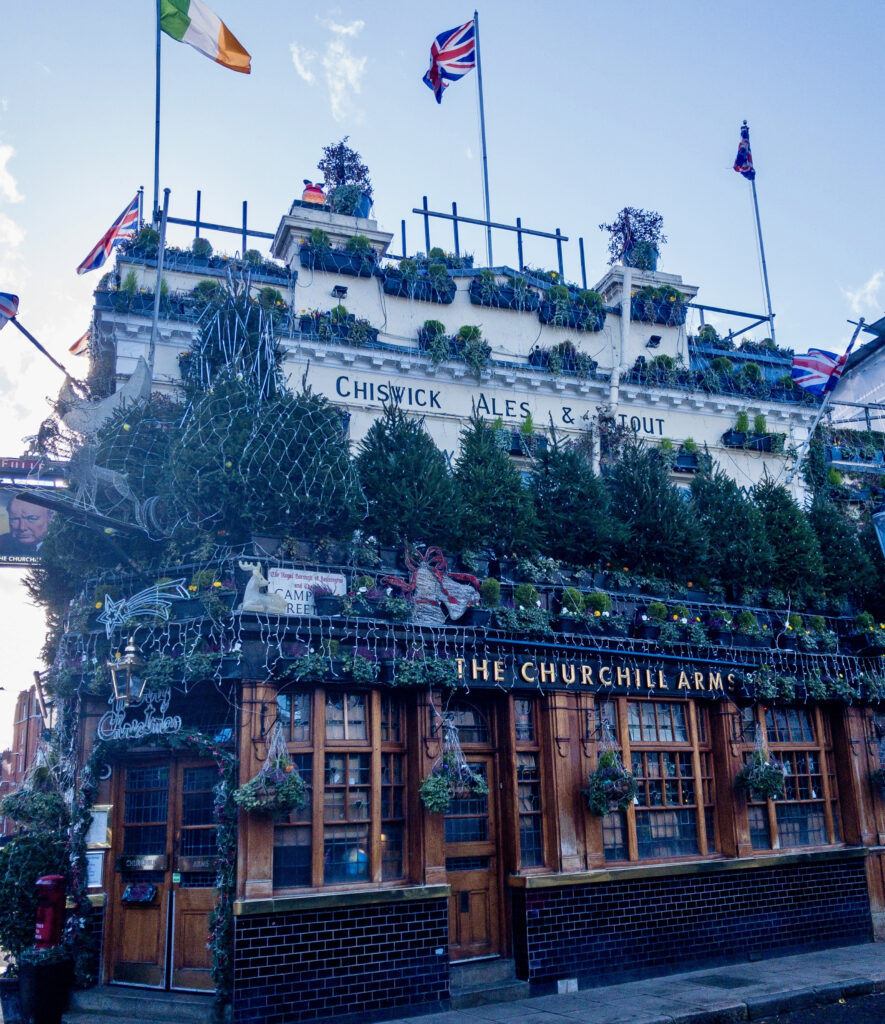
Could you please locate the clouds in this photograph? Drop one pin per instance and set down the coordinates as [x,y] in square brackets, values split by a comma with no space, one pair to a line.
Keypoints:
[8,185]
[342,70]
[865,299]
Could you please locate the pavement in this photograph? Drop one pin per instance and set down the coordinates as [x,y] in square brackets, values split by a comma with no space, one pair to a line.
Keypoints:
[745,991]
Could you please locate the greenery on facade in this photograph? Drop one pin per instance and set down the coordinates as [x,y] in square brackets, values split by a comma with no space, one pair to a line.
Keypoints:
[762,777]
[611,786]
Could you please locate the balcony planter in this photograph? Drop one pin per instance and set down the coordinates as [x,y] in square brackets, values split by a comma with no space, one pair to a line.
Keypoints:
[539,358]
[686,462]
[658,311]
[503,297]
[646,630]
[332,261]
[759,442]
[576,316]
[734,438]
[421,289]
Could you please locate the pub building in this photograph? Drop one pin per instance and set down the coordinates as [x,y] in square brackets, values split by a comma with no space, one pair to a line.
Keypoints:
[364,901]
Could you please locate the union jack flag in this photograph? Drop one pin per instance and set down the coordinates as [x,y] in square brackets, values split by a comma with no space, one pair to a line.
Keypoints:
[743,162]
[8,307]
[452,55]
[123,227]
[819,371]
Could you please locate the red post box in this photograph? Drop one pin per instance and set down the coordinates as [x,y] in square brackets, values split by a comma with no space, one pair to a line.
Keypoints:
[50,892]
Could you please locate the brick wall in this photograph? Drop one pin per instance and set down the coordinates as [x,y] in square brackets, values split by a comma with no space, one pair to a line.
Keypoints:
[313,964]
[631,928]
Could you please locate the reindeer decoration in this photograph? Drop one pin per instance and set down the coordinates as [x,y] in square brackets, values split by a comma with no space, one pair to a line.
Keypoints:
[435,590]
[256,597]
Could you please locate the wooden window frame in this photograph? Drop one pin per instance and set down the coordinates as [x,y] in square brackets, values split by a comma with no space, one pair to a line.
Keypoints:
[822,747]
[317,747]
[700,749]
[530,747]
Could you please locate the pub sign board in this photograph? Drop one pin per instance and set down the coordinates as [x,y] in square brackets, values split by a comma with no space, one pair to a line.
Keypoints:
[597,674]
[295,587]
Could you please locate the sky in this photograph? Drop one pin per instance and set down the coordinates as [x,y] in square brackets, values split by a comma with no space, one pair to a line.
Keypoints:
[588,108]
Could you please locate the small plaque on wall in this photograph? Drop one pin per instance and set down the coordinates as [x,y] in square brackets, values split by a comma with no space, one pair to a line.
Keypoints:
[99,834]
[94,869]
[139,892]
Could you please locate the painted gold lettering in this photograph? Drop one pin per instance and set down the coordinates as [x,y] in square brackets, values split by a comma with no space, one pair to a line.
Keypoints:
[498,671]
[623,677]
[605,675]
[480,668]
[714,681]
[524,669]
[567,673]
[683,682]
[548,672]
[699,680]
[662,685]
[460,663]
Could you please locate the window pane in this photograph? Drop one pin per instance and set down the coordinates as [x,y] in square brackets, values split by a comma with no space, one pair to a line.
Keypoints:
[667,833]
[392,851]
[293,713]
[614,835]
[525,720]
[391,719]
[345,853]
[471,724]
[346,716]
[528,782]
[467,819]
[293,839]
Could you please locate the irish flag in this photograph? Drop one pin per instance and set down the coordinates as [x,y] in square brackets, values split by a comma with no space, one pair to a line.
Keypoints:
[192,22]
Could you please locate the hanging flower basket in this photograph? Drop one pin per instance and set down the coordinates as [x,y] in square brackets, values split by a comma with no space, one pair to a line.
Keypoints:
[277,789]
[449,779]
[762,777]
[611,787]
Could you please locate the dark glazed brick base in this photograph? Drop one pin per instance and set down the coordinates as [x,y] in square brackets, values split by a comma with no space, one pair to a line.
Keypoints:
[337,961]
[628,929]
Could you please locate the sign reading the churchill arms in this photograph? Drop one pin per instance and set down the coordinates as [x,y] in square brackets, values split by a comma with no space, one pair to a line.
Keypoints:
[598,675]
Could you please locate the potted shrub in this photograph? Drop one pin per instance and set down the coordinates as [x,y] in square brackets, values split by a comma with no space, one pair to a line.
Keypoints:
[635,237]
[791,627]
[611,787]
[719,626]
[202,250]
[490,596]
[571,611]
[472,349]
[760,441]
[761,777]
[347,181]
[647,624]
[868,635]
[687,457]
[747,632]
[433,340]
[737,437]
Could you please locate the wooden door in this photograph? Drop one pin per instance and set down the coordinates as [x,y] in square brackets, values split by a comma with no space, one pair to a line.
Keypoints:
[193,877]
[163,888]
[471,832]
[140,893]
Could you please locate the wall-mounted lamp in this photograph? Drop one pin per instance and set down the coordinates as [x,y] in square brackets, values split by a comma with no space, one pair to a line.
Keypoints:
[339,291]
[127,674]
[653,341]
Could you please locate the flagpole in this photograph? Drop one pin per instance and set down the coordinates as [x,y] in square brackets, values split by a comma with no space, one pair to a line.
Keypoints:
[806,444]
[159,285]
[482,130]
[39,347]
[156,207]
[761,248]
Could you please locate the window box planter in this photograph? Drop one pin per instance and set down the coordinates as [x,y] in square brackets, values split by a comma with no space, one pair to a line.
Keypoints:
[503,298]
[421,289]
[718,635]
[658,311]
[759,442]
[478,617]
[749,642]
[576,316]
[327,604]
[539,358]
[686,462]
[525,444]
[332,261]
[646,630]
[323,326]
[734,438]
[571,626]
